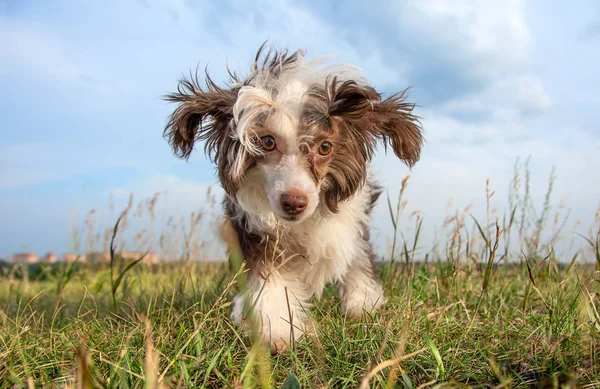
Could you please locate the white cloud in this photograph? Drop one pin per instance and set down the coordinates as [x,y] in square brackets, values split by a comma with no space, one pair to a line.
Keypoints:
[443,49]
[515,99]
[532,95]
[494,32]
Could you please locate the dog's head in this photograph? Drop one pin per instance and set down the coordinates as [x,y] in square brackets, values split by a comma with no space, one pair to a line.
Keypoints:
[294,136]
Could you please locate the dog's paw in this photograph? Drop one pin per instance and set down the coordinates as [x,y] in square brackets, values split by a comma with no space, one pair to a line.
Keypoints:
[278,347]
[355,306]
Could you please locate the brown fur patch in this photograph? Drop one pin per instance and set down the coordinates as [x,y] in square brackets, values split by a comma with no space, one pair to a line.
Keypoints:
[358,117]
[256,248]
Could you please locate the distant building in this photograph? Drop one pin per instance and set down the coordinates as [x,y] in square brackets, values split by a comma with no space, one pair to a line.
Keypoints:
[25,258]
[50,257]
[72,257]
[149,258]
[100,257]
[93,257]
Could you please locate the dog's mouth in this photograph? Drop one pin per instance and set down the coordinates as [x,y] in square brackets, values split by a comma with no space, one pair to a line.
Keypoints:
[292,219]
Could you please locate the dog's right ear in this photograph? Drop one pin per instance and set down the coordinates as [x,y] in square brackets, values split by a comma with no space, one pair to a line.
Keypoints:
[202,115]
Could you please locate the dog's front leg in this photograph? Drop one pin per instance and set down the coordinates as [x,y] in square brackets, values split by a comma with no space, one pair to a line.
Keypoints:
[274,306]
[360,290]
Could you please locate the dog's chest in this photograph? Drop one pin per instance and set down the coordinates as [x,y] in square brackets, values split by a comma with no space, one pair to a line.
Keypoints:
[322,252]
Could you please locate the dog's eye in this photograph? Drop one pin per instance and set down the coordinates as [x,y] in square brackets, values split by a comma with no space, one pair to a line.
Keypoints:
[325,148]
[268,143]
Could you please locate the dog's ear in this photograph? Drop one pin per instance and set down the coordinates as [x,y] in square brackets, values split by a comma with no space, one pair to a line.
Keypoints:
[201,115]
[392,121]
[349,101]
[339,108]
[362,118]
[368,118]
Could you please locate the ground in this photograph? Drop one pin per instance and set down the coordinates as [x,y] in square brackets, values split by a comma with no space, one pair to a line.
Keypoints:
[170,324]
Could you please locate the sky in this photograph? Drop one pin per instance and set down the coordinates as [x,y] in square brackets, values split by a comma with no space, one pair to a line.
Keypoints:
[82,114]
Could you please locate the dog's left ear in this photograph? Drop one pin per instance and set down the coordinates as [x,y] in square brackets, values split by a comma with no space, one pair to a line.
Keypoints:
[372,118]
[392,121]
[363,117]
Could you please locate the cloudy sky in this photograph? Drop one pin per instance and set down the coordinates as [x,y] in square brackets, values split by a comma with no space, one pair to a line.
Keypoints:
[82,116]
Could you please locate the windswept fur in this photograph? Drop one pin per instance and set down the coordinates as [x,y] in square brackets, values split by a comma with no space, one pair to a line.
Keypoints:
[292,142]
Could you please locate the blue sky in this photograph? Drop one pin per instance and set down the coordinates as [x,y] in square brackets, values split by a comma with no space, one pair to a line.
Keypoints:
[82,115]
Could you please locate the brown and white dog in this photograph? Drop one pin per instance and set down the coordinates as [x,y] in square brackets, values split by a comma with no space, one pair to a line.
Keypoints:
[291,142]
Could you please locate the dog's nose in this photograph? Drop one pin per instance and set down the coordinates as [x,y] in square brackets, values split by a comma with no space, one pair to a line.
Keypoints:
[294,203]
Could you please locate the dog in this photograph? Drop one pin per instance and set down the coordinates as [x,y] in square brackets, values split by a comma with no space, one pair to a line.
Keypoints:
[292,142]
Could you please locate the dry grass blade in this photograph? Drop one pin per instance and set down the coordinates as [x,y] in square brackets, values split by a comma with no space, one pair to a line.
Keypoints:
[151,363]
[84,376]
[150,367]
[590,308]
[291,317]
[390,362]
[121,368]
[595,246]
[426,384]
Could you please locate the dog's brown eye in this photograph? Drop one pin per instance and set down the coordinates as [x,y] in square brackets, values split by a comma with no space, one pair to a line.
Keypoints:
[268,143]
[325,148]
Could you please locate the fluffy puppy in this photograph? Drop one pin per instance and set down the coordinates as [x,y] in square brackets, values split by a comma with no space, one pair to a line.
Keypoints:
[292,141]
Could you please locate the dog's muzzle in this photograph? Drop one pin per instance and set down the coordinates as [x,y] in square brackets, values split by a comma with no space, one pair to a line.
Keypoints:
[294,202]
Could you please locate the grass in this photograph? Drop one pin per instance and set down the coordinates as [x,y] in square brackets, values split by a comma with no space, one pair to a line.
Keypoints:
[471,312]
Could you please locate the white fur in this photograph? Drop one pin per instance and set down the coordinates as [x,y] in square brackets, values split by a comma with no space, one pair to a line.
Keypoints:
[360,292]
[330,250]
[268,300]
[286,176]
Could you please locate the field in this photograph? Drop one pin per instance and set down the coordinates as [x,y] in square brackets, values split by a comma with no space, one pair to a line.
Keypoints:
[470,312]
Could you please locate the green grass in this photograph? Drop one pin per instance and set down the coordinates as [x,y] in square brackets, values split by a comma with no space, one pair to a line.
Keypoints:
[470,312]
[516,336]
